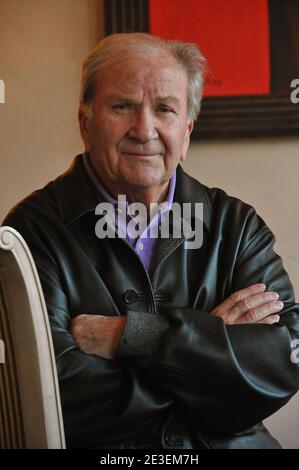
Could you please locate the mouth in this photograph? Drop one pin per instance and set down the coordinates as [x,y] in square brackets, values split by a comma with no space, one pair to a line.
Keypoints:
[141,155]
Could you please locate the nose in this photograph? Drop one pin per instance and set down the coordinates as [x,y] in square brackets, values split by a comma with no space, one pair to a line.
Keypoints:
[143,127]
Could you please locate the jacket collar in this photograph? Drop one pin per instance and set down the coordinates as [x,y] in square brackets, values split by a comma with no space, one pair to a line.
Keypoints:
[76,196]
[74,192]
[188,189]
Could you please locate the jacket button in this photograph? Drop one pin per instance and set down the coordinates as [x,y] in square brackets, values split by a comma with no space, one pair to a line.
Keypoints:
[173,439]
[130,296]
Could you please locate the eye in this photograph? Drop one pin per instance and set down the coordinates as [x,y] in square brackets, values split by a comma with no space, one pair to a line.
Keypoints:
[165,109]
[122,106]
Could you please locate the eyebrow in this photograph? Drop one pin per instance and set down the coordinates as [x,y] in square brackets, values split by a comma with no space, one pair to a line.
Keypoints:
[168,98]
[129,99]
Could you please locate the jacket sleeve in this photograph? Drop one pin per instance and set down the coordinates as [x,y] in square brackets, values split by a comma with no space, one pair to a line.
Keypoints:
[103,401]
[230,377]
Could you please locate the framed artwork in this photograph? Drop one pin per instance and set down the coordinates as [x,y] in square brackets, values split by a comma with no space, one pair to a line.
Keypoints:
[252,49]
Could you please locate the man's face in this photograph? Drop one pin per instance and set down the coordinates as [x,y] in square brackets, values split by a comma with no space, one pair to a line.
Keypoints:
[139,130]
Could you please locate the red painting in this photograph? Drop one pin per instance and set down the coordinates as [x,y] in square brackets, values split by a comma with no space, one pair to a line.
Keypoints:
[233,35]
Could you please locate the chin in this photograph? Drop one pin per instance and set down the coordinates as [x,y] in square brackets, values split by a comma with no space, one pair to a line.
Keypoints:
[142,179]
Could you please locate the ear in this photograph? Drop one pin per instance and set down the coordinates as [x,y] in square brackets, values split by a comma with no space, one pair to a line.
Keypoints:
[84,122]
[186,141]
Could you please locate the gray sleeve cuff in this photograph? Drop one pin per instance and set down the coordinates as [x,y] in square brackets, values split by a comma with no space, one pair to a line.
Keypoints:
[141,335]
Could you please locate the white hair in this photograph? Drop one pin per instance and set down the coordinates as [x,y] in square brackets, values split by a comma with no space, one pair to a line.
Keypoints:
[122,45]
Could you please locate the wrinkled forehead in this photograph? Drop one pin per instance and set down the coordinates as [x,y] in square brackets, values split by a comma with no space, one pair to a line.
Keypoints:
[155,75]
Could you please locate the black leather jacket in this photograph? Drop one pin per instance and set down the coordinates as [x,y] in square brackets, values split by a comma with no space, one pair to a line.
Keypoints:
[217,380]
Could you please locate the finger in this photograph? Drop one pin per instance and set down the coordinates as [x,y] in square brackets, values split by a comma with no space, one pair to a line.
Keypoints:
[257,314]
[239,295]
[270,320]
[249,303]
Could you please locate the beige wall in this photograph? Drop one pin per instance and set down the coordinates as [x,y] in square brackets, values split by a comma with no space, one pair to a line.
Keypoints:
[42,44]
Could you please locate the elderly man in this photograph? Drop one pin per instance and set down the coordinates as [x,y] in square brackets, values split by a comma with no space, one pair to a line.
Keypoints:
[159,344]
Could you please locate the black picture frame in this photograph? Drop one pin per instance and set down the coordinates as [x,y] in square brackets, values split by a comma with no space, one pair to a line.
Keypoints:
[237,116]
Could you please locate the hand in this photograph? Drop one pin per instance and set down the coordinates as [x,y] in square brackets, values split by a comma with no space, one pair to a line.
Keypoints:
[250,305]
[98,334]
